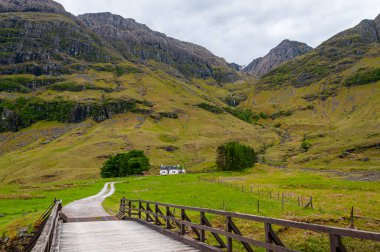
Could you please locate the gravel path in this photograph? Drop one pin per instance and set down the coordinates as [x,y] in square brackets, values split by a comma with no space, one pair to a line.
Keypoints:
[91,206]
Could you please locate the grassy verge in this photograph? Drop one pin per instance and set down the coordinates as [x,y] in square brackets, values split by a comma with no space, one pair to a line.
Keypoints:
[20,206]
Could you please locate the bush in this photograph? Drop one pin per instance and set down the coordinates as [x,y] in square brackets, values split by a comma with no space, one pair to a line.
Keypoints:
[362,78]
[210,108]
[245,115]
[234,156]
[125,164]
[305,145]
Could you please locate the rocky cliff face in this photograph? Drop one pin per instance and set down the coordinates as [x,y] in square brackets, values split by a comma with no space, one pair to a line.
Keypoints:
[285,51]
[137,42]
[50,41]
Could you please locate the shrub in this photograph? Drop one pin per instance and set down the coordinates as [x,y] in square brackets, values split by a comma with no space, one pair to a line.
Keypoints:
[245,115]
[234,156]
[10,86]
[125,164]
[209,107]
[305,145]
[362,78]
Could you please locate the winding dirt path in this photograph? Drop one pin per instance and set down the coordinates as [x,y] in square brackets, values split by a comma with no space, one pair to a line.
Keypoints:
[91,206]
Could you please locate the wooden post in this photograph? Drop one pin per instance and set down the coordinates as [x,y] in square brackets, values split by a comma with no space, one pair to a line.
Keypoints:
[268,238]
[352,225]
[129,208]
[336,244]
[168,225]
[270,194]
[258,206]
[140,207]
[242,188]
[156,220]
[298,200]
[229,230]
[183,231]
[202,237]
[146,213]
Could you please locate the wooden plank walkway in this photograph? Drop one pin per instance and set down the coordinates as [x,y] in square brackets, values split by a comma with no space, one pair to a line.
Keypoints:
[115,236]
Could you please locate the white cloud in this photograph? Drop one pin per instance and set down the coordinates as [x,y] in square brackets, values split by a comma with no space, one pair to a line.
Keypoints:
[238,30]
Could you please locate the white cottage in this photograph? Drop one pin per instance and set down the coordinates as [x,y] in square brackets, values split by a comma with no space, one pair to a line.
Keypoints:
[171,169]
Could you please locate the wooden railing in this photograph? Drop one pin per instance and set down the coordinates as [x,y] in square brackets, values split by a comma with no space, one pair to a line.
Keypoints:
[45,232]
[161,216]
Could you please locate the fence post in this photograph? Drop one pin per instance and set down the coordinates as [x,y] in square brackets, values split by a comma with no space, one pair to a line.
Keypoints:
[156,220]
[168,226]
[352,225]
[202,237]
[129,208]
[336,244]
[229,230]
[258,206]
[268,238]
[140,207]
[183,219]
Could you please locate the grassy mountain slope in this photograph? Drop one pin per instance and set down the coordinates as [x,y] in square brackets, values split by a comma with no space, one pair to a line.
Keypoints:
[336,110]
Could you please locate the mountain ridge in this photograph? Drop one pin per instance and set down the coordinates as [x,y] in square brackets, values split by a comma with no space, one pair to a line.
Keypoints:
[135,40]
[283,52]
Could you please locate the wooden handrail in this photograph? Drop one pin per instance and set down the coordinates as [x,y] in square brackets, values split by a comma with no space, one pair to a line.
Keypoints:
[43,240]
[231,232]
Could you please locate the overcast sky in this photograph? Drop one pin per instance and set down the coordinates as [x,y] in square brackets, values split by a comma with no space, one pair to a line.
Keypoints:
[238,30]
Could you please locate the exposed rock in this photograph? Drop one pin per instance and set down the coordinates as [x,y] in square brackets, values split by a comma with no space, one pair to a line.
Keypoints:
[235,66]
[46,42]
[285,51]
[31,6]
[137,42]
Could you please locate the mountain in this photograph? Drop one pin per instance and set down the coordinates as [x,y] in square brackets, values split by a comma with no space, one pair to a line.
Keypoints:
[332,57]
[40,37]
[285,51]
[137,41]
[329,98]
[104,83]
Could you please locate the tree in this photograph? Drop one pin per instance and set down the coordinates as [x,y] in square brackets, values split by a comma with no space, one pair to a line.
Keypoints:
[234,156]
[125,164]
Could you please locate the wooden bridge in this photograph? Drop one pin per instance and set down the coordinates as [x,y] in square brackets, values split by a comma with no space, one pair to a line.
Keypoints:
[151,226]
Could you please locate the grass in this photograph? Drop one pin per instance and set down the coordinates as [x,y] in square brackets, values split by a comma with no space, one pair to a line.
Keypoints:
[21,205]
[333,198]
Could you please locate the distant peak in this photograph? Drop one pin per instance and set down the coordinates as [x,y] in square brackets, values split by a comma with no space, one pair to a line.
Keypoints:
[283,52]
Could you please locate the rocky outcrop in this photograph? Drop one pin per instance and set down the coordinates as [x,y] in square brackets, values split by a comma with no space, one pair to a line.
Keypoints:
[43,43]
[31,6]
[285,51]
[22,113]
[137,42]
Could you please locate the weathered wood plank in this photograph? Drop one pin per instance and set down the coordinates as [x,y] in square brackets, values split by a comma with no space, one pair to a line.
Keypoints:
[115,236]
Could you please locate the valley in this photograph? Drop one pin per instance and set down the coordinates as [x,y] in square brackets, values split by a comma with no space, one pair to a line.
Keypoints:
[76,90]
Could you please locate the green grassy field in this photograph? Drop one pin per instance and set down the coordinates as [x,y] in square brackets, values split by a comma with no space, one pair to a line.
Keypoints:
[333,198]
[21,205]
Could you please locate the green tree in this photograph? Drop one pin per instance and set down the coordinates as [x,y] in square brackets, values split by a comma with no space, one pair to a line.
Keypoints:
[234,156]
[125,164]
